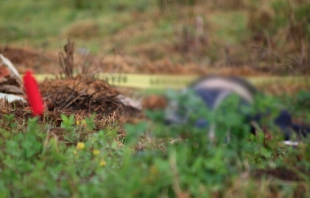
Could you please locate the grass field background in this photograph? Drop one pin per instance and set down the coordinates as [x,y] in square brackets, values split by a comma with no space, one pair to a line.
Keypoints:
[264,34]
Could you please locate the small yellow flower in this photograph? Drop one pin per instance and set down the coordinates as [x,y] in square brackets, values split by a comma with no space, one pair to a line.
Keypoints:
[102,162]
[74,152]
[80,145]
[96,152]
[81,122]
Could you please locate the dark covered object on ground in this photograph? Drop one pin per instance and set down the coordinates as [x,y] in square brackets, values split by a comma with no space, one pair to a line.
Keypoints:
[213,90]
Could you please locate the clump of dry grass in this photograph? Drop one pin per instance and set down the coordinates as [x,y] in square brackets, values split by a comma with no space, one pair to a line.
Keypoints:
[279,33]
[81,91]
[66,60]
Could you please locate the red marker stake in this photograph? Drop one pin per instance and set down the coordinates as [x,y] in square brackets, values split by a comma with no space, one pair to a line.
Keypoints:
[33,94]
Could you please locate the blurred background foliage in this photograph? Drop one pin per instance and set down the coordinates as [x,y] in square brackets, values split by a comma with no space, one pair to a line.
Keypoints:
[263,34]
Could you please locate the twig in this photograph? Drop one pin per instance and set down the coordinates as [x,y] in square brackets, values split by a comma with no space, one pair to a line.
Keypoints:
[66,61]
[74,99]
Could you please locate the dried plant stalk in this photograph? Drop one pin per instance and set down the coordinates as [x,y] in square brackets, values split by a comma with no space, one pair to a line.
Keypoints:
[66,61]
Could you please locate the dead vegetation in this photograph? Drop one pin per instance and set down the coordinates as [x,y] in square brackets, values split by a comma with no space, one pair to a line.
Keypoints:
[280,36]
[81,91]
[29,58]
[48,63]
[66,60]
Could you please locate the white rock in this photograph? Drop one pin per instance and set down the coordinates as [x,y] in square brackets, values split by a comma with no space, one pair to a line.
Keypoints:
[11,98]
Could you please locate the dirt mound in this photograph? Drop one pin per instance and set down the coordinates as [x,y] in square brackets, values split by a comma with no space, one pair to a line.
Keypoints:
[83,93]
[81,97]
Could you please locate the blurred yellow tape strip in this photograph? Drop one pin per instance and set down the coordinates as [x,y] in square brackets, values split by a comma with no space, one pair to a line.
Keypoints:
[172,81]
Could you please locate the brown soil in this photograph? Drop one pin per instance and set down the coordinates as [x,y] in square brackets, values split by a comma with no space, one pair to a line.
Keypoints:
[26,58]
[154,102]
[48,63]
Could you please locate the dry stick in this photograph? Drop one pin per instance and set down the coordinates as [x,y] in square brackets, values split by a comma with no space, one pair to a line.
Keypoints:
[57,98]
[75,86]
[66,62]
[69,98]
[65,102]
[61,96]
[57,95]
[61,62]
[302,53]
[92,74]
[69,49]
[73,92]
[107,98]
[90,96]
[74,99]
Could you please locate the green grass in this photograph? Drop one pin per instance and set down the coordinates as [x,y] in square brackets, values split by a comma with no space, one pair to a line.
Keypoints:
[78,159]
[31,21]
[230,27]
[123,25]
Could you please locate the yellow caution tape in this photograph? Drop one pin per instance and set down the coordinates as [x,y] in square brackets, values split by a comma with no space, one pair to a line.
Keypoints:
[173,81]
[147,81]
[42,77]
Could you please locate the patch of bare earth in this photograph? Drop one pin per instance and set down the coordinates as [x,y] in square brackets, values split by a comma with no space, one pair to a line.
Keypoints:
[27,58]
[48,63]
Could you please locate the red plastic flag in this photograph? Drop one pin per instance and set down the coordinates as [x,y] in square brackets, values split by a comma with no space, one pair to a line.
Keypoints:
[33,94]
